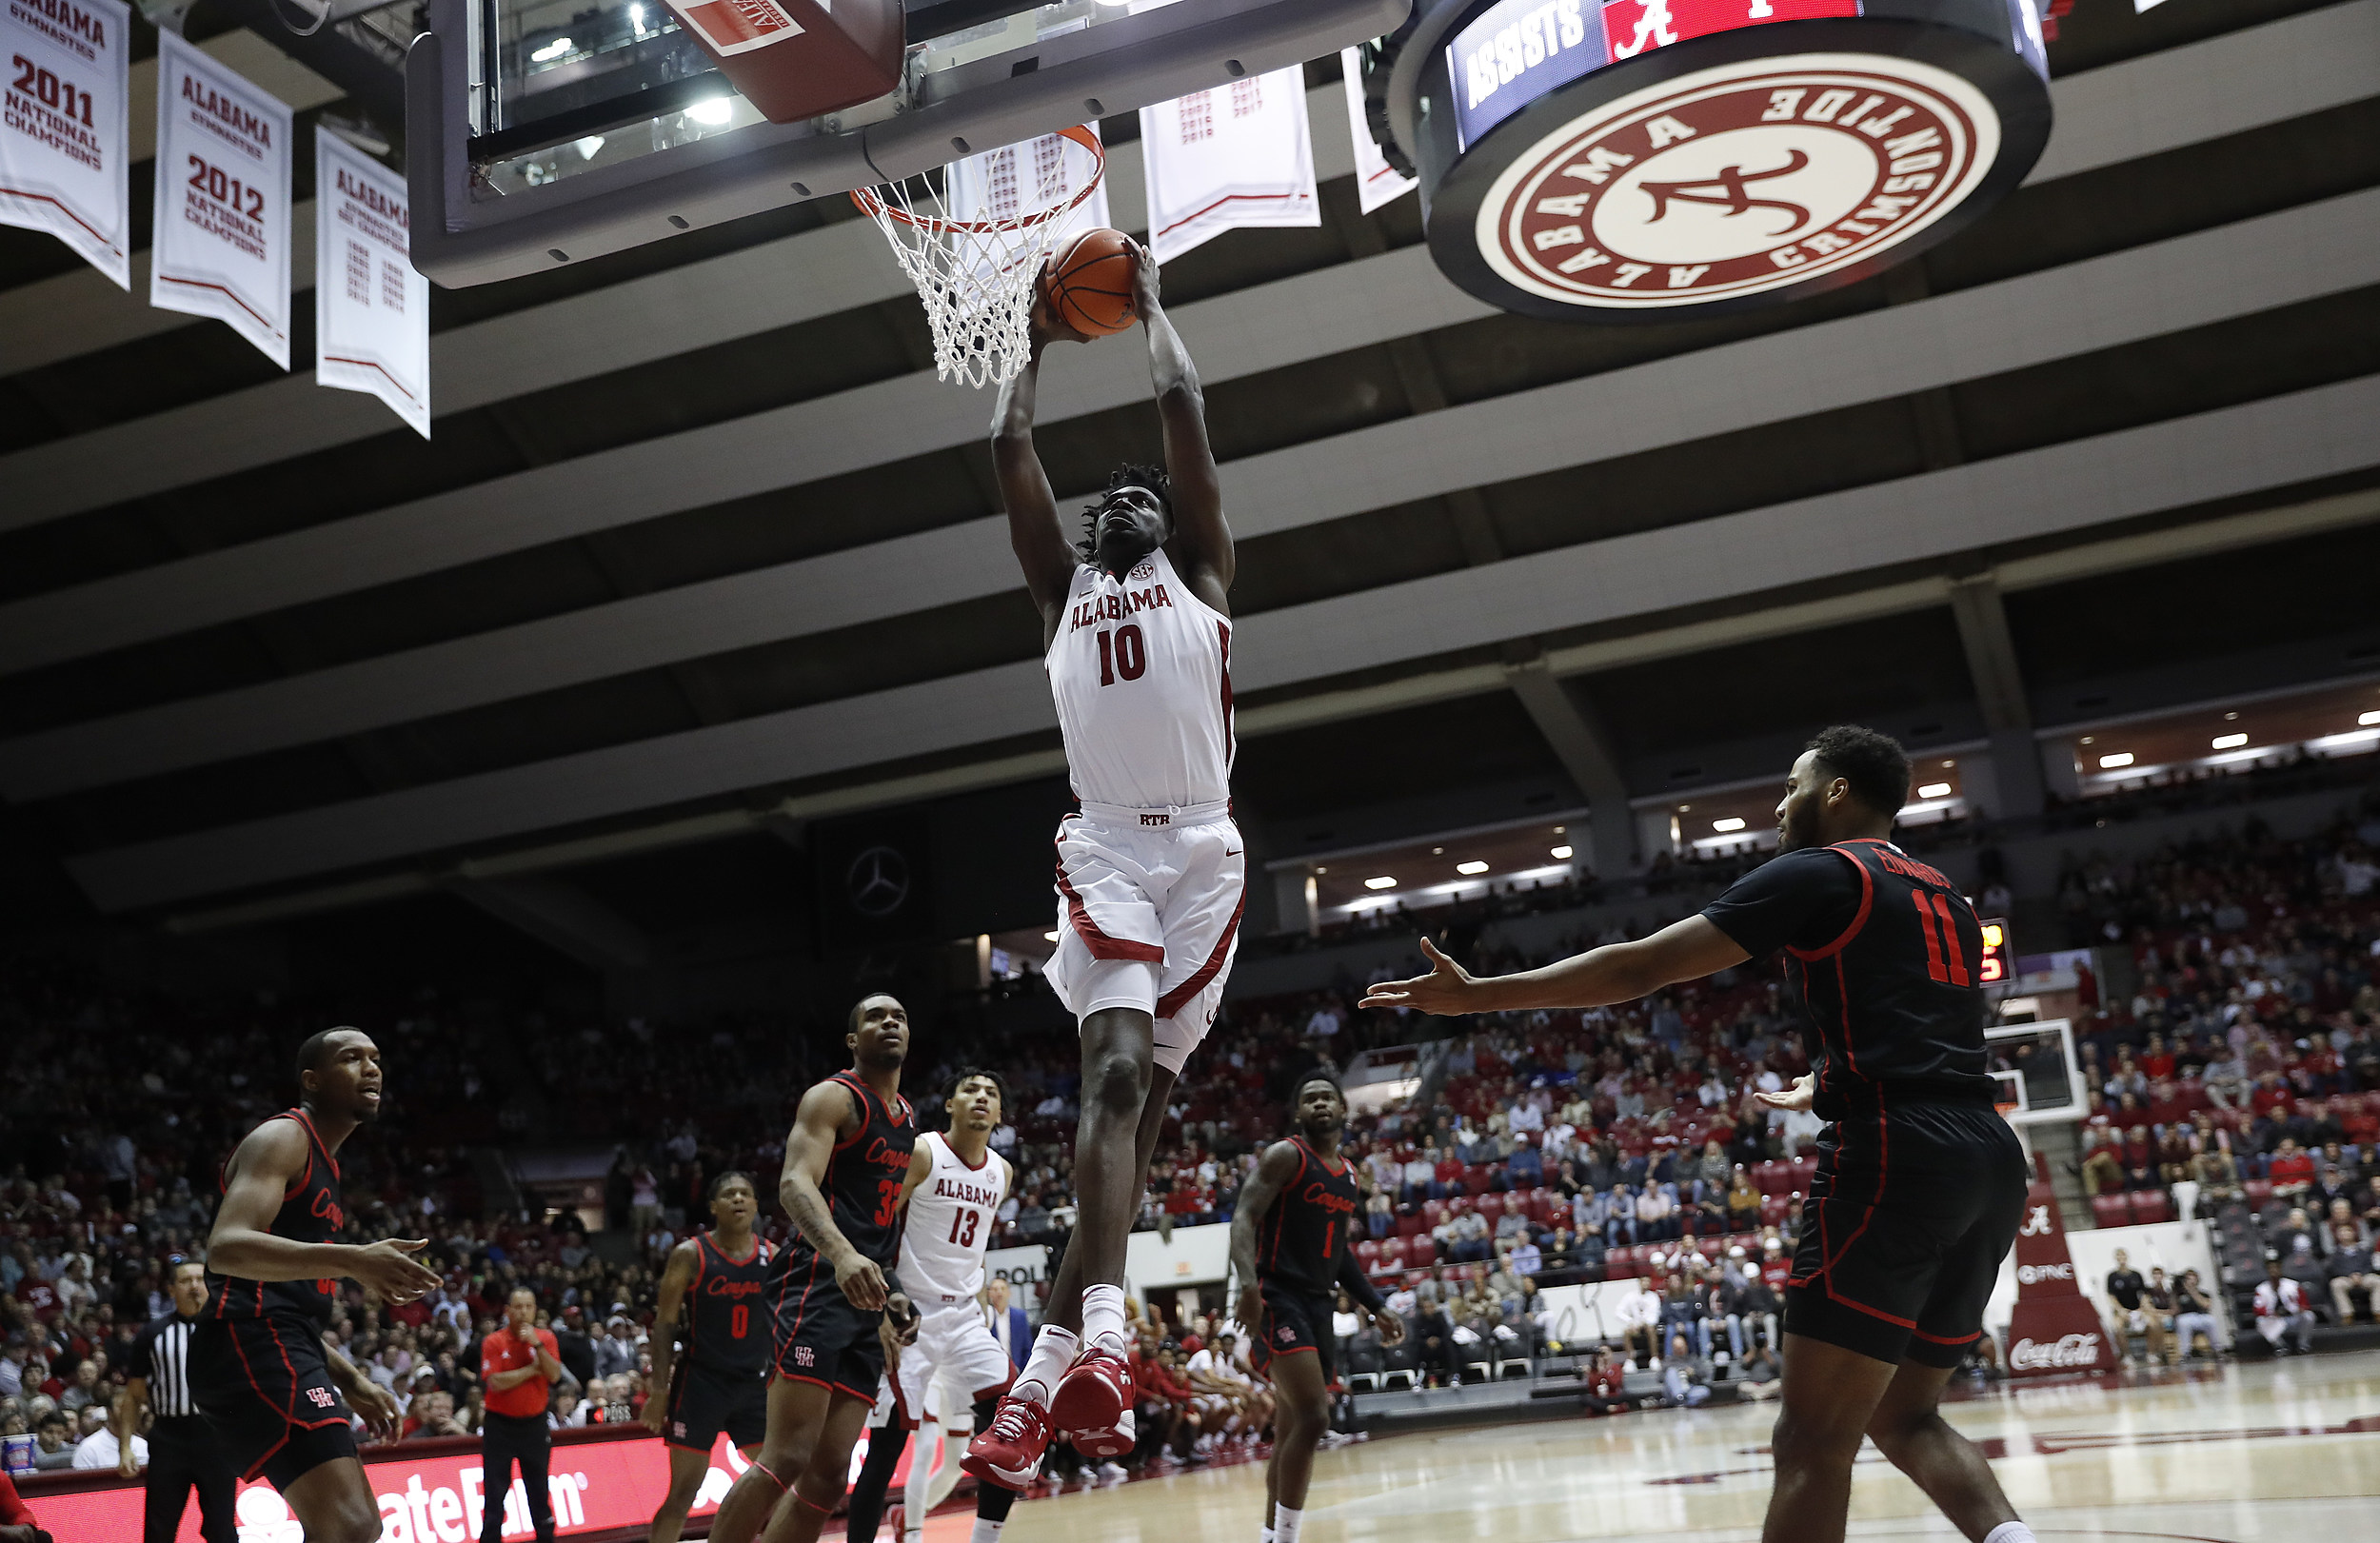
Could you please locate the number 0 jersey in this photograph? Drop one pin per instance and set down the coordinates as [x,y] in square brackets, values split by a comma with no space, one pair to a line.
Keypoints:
[726,1328]
[310,1213]
[1300,1241]
[862,1179]
[1886,956]
[950,1223]
[1141,671]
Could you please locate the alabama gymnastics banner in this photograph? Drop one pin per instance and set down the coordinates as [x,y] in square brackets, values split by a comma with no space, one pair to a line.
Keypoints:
[222,242]
[372,310]
[1229,157]
[430,1492]
[64,107]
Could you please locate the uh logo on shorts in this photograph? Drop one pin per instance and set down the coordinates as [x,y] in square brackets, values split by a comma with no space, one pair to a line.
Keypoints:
[804,1355]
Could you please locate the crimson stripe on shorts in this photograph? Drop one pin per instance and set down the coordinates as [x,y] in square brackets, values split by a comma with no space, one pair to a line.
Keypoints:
[1181,997]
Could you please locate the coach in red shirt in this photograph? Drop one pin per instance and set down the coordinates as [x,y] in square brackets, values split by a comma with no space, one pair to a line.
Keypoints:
[518,1365]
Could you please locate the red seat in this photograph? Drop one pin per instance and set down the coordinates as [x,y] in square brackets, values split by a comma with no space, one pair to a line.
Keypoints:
[1476,1180]
[1460,1205]
[1421,1253]
[1773,1178]
[1393,1253]
[2112,1210]
[1367,1255]
[1433,1213]
[1772,1208]
[1805,1169]
[2151,1205]
[1624,1264]
[2259,1192]
[1412,1226]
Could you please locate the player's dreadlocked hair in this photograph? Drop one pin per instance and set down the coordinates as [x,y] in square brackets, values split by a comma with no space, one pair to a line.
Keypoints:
[1127,475]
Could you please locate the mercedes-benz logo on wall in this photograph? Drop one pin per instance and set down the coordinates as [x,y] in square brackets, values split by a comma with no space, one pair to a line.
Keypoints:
[877,881]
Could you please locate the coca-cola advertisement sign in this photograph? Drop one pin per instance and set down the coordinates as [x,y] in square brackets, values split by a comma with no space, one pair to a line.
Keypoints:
[2069,1353]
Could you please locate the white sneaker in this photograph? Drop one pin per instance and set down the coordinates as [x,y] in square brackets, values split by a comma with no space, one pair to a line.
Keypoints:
[1113,1473]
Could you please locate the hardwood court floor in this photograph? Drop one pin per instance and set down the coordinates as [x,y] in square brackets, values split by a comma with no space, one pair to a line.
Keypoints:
[2258,1453]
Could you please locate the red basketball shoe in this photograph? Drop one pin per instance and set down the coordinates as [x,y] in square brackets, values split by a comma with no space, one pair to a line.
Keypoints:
[1093,1404]
[1009,1451]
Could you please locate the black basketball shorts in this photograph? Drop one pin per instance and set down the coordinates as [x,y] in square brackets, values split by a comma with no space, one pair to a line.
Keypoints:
[704,1401]
[1907,1218]
[1296,1322]
[819,1337]
[266,1390]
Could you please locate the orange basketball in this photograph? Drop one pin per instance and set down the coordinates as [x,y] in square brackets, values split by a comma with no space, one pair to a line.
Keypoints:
[1089,283]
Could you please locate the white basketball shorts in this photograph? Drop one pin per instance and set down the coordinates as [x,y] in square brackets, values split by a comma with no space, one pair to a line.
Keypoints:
[1148,916]
[955,1348]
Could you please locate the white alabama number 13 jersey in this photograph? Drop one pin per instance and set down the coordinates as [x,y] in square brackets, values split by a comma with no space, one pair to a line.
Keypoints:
[1141,671]
[951,1218]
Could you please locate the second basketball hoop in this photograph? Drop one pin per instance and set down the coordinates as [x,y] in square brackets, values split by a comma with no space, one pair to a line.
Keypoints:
[973,242]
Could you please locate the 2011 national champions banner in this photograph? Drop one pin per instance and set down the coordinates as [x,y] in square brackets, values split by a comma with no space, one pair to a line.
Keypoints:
[65,126]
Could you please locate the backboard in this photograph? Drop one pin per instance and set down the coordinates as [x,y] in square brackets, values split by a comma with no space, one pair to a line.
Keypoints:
[547,132]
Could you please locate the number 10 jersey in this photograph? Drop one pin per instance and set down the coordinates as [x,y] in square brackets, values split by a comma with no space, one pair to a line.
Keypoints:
[1140,669]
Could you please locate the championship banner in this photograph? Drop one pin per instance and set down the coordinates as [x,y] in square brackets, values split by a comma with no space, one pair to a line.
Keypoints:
[372,310]
[1377,181]
[1238,155]
[222,242]
[65,126]
[1024,179]
[2054,1326]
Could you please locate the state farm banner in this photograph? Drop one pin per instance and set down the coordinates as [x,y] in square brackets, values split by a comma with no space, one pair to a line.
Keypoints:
[222,242]
[1377,181]
[372,310]
[1235,155]
[431,1492]
[65,126]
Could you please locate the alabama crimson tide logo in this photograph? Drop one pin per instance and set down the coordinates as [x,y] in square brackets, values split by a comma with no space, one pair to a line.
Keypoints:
[1738,179]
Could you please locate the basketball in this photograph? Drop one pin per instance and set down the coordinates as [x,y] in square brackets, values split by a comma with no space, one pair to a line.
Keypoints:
[1089,281]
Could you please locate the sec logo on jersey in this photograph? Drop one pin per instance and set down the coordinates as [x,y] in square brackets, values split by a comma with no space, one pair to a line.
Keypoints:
[1738,179]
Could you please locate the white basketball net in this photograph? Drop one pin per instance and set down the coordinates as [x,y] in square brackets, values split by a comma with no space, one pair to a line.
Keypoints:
[975,268]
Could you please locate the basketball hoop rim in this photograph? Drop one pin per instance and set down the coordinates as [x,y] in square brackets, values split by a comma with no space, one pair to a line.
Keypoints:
[872,204]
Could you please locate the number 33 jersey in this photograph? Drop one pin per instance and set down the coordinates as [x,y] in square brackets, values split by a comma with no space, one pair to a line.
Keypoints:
[1141,671]
[951,1218]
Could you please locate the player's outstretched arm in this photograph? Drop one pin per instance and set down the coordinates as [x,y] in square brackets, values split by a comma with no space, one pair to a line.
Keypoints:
[1201,546]
[1274,1172]
[375,1403]
[676,1277]
[1034,531]
[243,1243]
[1686,950]
[817,1126]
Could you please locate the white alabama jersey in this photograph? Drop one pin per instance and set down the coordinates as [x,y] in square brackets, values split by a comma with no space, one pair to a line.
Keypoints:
[1141,671]
[951,1218]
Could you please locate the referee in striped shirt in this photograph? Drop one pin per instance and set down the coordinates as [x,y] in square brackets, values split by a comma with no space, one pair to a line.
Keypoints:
[183,1451]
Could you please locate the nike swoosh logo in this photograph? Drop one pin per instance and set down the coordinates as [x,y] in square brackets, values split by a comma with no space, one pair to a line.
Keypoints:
[1235,851]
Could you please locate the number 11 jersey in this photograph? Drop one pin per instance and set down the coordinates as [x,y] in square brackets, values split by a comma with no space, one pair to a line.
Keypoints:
[1140,669]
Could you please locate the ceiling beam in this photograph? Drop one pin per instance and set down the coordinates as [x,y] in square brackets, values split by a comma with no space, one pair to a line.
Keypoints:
[561,916]
[2234,451]
[2288,67]
[2165,287]
[1990,651]
[2224,533]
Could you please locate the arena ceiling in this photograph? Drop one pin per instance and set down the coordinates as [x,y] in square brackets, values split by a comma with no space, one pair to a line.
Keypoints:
[700,550]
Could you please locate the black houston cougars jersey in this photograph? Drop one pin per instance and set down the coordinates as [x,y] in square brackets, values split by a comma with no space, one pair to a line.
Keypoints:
[1306,1230]
[863,1174]
[726,1318]
[309,1213]
[1886,956]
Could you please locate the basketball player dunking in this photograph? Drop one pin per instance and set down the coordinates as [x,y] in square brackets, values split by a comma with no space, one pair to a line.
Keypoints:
[719,1281]
[828,1292]
[949,1201]
[1292,1247]
[1920,1183]
[276,1395]
[1152,873]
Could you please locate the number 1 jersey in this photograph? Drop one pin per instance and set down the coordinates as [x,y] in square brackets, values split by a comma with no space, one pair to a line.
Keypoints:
[1141,672]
